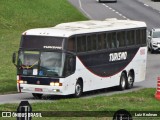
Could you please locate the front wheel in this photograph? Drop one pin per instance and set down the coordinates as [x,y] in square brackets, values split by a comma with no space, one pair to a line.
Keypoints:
[37,95]
[123,81]
[78,89]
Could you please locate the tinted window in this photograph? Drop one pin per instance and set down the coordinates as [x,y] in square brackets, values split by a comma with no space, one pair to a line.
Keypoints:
[81,43]
[111,40]
[102,41]
[70,64]
[141,36]
[91,42]
[121,39]
[71,44]
[130,40]
[41,42]
[138,37]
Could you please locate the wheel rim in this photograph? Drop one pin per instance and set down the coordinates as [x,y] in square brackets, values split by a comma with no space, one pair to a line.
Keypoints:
[123,82]
[78,89]
[130,80]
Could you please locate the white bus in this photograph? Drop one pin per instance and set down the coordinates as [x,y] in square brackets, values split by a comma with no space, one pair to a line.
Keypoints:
[75,57]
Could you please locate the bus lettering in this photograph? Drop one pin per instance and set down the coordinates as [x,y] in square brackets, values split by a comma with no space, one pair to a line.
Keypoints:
[52,47]
[117,56]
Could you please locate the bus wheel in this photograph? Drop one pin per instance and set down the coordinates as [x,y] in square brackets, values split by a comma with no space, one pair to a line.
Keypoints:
[37,95]
[123,81]
[78,89]
[130,80]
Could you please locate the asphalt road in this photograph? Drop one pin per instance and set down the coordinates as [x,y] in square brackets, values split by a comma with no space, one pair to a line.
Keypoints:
[123,9]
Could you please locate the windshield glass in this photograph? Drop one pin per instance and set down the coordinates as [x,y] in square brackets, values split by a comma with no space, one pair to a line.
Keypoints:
[41,63]
[28,59]
[156,34]
[51,64]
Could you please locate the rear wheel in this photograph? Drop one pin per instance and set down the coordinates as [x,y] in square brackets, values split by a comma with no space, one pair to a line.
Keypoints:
[130,80]
[78,89]
[37,95]
[123,81]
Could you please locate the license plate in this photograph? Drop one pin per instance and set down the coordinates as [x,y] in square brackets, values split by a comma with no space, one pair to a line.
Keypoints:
[38,89]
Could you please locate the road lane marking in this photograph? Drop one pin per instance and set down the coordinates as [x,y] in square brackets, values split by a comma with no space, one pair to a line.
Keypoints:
[146,5]
[80,5]
[115,11]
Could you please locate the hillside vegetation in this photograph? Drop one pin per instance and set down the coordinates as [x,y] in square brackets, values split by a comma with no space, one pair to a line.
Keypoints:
[16,16]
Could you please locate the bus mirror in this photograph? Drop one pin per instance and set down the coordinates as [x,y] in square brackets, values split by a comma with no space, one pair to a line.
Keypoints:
[14,59]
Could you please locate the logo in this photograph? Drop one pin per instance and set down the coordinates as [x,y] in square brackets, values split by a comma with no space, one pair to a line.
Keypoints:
[122,115]
[6,114]
[38,82]
[23,111]
[117,56]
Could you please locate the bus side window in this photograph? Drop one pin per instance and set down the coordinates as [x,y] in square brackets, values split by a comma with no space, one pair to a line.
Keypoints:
[81,43]
[71,44]
[138,38]
[143,36]
[91,42]
[101,41]
[130,37]
[121,39]
[70,64]
[111,39]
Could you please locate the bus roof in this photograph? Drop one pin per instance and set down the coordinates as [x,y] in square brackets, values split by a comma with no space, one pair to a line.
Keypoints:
[80,27]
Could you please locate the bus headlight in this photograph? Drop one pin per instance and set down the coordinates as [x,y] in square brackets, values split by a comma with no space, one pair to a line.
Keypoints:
[51,83]
[21,82]
[55,84]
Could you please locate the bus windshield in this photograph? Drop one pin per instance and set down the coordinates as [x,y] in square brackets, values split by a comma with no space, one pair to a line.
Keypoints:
[41,63]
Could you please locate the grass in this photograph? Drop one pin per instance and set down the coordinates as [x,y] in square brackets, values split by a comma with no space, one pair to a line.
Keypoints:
[142,100]
[20,15]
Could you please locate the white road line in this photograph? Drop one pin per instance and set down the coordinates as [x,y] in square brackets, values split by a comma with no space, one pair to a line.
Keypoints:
[80,5]
[115,11]
[146,5]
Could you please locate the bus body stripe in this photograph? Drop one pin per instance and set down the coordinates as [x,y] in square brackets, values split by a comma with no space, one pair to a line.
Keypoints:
[113,67]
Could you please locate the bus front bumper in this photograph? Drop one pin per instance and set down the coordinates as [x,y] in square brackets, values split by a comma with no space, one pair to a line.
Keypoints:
[42,89]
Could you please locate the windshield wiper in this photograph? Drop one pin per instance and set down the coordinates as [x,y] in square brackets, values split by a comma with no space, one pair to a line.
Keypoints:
[28,66]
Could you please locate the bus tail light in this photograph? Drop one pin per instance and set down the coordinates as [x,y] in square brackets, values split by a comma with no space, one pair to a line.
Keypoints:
[55,84]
